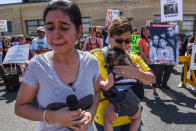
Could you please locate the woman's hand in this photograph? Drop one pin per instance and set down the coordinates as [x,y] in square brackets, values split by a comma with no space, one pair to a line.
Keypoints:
[70,119]
[129,71]
[88,117]
[148,62]
[25,67]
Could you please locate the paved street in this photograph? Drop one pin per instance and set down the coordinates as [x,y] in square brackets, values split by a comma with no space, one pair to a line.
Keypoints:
[173,110]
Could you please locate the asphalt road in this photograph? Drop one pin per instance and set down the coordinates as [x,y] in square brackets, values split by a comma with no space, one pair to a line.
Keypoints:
[172,110]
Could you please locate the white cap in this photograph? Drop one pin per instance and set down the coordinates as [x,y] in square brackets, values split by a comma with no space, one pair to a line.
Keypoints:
[40,29]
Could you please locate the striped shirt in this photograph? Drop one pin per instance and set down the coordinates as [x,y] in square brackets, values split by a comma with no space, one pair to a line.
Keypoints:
[121,81]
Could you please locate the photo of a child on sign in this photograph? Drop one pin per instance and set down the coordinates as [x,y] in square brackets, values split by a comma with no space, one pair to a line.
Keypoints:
[163,43]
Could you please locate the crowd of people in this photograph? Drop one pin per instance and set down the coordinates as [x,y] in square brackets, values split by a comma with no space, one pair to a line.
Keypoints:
[37,45]
[97,65]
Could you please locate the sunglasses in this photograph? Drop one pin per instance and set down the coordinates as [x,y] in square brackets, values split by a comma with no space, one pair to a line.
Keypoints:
[120,41]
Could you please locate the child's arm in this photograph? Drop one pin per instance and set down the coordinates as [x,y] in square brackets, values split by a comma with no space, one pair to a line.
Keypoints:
[106,85]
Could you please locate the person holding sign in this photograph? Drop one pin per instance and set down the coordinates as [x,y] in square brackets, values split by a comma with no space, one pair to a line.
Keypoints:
[6,45]
[191,42]
[60,73]
[143,45]
[173,42]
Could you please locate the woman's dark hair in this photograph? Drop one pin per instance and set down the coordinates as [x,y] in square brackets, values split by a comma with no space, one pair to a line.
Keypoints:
[98,34]
[92,28]
[142,30]
[119,26]
[28,38]
[67,7]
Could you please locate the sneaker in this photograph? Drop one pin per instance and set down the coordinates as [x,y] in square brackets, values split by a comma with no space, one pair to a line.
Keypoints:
[155,94]
[180,84]
[192,87]
[159,85]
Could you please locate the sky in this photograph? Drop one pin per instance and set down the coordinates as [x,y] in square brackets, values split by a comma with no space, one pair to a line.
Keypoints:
[10,1]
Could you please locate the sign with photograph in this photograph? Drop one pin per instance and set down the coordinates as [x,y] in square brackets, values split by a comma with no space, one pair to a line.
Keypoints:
[163,43]
[171,10]
[3,25]
[17,54]
[193,58]
[111,15]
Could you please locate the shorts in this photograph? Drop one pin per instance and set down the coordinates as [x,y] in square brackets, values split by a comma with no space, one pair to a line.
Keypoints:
[129,105]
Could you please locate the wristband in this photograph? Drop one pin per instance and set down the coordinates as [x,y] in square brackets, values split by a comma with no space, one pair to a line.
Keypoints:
[44,115]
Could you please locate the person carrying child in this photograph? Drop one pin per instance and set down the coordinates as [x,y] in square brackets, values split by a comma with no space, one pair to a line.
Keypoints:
[115,57]
[119,37]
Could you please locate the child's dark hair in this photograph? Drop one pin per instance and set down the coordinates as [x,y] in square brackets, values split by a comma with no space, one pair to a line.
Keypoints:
[113,55]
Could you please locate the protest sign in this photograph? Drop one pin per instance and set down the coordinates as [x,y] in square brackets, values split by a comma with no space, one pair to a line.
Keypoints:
[163,43]
[111,15]
[171,10]
[134,43]
[3,26]
[17,54]
[148,23]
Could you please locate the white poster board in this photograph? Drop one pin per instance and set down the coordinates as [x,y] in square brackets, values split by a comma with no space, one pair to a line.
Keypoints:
[171,10]
[3,25]
[163,43]
[111,15]
[148,23]
[193,58]
[17,54]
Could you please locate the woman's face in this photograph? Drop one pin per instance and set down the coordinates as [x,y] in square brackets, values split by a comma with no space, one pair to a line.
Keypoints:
[22,41]
[162,43]
[61,33]
[92,32]
[121,41]
[146,32]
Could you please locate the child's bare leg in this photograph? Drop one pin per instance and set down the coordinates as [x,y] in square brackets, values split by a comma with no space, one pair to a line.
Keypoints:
[135,121]
[108,117]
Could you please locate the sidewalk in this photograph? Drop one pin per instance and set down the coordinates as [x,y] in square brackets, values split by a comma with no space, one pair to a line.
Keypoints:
[173,110]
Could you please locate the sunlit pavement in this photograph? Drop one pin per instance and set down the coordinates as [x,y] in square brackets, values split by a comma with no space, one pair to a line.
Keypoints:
[173,110]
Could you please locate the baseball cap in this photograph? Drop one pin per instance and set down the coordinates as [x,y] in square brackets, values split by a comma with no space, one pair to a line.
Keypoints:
[40,29]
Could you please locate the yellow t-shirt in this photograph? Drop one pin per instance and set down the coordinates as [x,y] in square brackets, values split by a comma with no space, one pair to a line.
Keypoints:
[103,72]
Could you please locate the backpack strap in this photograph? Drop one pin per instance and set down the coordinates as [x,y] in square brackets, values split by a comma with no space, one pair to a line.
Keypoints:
[105,52]
[128,56]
